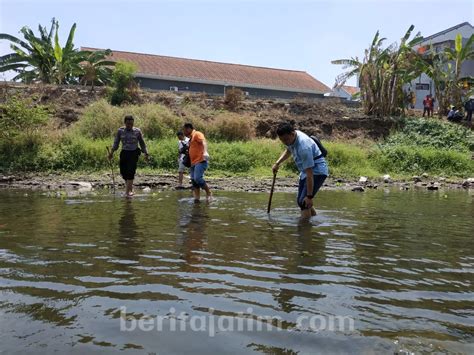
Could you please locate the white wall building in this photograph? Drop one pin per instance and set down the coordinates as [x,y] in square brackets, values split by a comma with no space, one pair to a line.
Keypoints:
[423,85]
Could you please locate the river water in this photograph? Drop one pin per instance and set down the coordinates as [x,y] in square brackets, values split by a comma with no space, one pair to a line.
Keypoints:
[375,272]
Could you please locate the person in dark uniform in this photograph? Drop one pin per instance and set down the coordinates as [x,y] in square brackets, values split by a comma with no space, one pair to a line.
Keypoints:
[130,137]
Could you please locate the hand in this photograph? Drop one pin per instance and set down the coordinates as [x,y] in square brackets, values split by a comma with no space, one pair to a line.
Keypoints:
[275,168]
[147,158]
[308,202]
[206,156]
[109,156]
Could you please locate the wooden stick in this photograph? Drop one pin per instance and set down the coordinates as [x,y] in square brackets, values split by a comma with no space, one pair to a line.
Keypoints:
[112,169]
[271,193]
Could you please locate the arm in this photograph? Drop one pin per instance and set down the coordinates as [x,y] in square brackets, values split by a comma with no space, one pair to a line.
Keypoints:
[206,154]
[285,155]
[142,144]
[115,144]
[309,187]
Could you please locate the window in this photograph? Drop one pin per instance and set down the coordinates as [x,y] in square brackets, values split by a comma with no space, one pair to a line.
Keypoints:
[423,87]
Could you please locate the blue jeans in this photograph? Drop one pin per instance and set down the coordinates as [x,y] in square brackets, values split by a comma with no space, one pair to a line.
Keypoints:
[318,181]
[197,174]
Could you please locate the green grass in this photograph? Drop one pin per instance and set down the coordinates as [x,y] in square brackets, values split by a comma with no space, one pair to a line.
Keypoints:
[420,146]
[251,158]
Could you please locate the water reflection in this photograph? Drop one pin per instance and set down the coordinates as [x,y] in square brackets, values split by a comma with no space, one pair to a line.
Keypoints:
[193,220]
[129,244]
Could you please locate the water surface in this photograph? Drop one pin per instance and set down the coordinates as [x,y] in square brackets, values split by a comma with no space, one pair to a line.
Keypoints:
[399,264]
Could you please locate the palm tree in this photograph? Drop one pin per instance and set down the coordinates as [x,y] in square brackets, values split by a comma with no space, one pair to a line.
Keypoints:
[97,70]
[42,59]
[382,73]
[32,59]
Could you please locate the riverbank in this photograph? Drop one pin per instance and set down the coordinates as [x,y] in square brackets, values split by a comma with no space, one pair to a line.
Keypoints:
[149,182]
[36,139]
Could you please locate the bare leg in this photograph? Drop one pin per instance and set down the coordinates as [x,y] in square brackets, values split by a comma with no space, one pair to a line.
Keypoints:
[306,214]
[197,194]
[208,193]
[180,178]
[129,187]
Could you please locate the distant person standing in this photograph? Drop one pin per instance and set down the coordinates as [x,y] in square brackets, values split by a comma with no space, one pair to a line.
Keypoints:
[130,137]
[432,102]
[199,161]
[427,105]
[469,107]
[183,145]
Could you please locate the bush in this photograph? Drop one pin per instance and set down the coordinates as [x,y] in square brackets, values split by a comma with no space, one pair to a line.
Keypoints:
[232,127]
[233,98]
[434,133]
[101,120]
[124,86]
[418,160]
[20,117]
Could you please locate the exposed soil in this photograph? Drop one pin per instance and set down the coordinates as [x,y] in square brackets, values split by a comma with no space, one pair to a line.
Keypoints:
[328,118]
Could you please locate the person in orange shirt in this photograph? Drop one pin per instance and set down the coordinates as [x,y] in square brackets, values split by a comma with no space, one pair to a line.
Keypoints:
[199,161]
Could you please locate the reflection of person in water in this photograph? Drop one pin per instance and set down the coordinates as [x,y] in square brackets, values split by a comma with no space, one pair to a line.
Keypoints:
[310,251]
[192,221]
[128,245]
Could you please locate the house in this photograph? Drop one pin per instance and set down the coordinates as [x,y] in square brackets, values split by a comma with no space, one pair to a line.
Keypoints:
[157,72]
[346,92]
[423,85]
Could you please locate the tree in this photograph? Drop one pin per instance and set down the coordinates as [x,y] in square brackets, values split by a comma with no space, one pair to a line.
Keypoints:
[124,86]
[97,70]
[383,72]
[444,68]
[42,58]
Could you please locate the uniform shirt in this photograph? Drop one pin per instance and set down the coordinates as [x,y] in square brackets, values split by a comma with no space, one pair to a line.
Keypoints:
[130,139]
[196,147]
[304,150]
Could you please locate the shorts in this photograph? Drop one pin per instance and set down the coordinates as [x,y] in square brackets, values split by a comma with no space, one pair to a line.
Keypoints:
[318,181]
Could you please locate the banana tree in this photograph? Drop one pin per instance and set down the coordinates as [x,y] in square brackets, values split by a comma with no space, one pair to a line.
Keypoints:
[33,58]
[42,58]
[458,55]
[382,73]
[97,70]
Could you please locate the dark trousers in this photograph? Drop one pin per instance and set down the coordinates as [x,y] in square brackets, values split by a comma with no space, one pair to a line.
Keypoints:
[128,163]
[318,181]
[426,110]
[469,115]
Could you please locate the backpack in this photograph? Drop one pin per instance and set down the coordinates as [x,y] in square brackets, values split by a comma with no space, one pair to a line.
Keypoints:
[186,158]
[324,151]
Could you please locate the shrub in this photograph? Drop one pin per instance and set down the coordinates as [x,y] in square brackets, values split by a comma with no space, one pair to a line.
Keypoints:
[124,86]
[20,117]
[417,160]
[233,98]
[432,133]
[232,127]
[101,120]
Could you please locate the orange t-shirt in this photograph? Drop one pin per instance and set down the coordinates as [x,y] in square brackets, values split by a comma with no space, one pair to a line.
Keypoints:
[196,147]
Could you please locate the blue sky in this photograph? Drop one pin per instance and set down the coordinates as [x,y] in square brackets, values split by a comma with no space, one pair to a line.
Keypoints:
[298,34]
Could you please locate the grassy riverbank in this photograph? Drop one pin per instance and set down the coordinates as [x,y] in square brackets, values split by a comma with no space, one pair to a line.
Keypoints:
[31,141]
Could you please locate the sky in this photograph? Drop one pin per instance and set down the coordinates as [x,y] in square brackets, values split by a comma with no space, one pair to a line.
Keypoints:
[299,35]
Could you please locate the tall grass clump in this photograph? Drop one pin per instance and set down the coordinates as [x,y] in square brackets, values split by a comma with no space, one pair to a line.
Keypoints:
[101,120]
